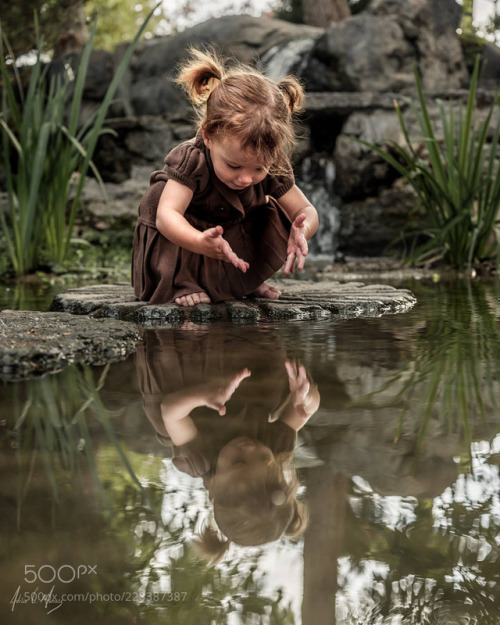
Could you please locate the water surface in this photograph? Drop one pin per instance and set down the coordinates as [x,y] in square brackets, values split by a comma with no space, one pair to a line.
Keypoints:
[383,432]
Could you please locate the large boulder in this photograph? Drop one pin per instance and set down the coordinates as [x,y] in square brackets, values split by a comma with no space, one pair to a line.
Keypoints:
[370,225]
[362,53]
[151,90]
[378,49]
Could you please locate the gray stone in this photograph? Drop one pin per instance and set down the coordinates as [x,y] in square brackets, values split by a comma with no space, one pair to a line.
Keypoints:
[290,57]
[35,343]
[437,15]
[99,73]
[117,201]
[344,103]
[360,171]
[241,312]
[300,299]
[377,49]
[150,88]
[372,224]
[361,53]
[490,65]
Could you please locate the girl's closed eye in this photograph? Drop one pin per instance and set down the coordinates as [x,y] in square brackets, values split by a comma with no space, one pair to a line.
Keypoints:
[257,169]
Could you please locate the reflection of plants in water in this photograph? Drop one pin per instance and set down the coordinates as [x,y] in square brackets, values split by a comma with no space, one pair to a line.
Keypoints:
[171,580]
[53,422]
[200,593]
[452,379]
[440,565]
[168,578]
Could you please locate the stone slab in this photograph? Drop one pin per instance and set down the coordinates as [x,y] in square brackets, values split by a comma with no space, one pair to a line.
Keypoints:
[300,300]
[35,343]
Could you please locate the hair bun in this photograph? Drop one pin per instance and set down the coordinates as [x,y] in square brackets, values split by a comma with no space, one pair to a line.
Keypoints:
[200,75]
[293,92]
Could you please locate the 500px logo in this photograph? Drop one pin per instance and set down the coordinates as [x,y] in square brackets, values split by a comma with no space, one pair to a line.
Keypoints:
[64,573]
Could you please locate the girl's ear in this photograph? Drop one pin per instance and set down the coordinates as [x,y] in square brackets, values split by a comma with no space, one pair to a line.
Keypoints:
[206,138]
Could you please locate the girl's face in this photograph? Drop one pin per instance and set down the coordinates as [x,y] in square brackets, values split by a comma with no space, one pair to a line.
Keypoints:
[232,165]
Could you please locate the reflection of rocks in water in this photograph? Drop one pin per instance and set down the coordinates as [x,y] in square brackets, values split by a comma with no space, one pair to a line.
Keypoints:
[356,428]
[403,415]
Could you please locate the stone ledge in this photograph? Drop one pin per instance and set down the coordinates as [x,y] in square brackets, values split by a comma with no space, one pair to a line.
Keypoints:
[346,102]
[35,343]
[300,300]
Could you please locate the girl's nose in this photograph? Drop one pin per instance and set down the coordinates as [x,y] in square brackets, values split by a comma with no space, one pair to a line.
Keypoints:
[245,178]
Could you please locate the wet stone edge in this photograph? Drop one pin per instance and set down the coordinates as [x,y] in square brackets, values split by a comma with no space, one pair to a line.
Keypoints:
[34,343]
[300,300]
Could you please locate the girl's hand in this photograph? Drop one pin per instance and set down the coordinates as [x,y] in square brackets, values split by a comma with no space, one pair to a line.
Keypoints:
[215,246]
[299,385]
[297,248]
[219,392]
[303,400]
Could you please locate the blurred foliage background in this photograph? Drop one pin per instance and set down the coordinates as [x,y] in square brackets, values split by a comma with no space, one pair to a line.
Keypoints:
[64,23]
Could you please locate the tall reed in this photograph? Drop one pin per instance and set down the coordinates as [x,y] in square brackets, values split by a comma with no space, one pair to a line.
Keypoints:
[56,422]
[43,145]
[456,179]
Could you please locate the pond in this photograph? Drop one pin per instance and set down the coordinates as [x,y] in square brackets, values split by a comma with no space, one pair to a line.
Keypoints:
[303,473]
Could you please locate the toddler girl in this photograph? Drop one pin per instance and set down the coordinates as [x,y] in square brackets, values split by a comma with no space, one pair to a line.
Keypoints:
[224,214]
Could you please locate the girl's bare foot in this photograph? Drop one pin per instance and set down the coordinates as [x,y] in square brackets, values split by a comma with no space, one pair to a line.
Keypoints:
[192,299]
[267,291]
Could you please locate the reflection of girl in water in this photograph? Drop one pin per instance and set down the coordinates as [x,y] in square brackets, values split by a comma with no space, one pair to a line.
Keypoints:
[243,453]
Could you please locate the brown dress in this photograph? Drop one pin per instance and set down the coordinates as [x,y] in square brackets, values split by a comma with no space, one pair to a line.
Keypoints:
[253,222]
[172,360]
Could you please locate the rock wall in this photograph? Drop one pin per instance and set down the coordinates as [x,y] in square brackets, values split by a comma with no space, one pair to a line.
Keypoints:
[351,70]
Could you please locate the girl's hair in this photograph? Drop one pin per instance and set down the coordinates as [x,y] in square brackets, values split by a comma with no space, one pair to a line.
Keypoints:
[259,514]
[241,102]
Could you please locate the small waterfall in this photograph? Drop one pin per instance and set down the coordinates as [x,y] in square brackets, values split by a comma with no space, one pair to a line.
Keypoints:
[315,177]
[288,57]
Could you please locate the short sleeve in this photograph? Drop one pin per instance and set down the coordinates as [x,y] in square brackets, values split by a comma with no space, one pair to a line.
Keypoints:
[279,185]
[186,164]
[191,458]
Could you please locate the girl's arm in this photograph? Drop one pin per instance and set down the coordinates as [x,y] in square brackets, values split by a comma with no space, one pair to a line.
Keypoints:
[304,219]
[172,224]
[176,407]
[295,203]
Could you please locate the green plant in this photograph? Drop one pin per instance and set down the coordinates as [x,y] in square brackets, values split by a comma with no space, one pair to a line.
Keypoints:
[43,145]
[456,180]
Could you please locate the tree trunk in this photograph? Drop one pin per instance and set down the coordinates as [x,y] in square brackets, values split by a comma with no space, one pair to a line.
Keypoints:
[323,541]
[73,29]
[323,12]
